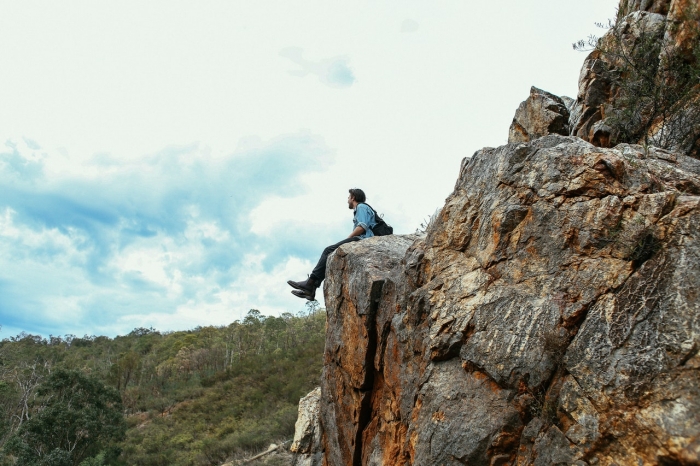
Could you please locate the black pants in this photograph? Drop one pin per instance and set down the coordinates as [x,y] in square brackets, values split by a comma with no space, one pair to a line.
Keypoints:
[319,272]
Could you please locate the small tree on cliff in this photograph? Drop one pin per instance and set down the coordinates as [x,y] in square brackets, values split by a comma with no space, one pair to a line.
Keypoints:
[655,84]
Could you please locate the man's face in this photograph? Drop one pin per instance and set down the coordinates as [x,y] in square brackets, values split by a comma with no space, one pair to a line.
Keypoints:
[350,201]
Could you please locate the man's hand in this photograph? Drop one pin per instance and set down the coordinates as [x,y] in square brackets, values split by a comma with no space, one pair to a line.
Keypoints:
[357,231]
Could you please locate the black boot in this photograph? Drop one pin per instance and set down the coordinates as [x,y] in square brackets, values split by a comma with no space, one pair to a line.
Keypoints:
[305,294]
[307,285]
[305,289]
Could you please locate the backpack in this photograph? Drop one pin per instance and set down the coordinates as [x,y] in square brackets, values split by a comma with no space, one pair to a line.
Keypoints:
[381,228]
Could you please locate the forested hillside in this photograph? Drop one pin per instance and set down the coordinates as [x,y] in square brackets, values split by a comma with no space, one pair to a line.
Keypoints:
[195,397]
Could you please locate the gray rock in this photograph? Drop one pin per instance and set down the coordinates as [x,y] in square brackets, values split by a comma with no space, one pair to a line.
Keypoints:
[653,6]
[599,84]
[307,432]
[461,417]
[594,92]
[540,114]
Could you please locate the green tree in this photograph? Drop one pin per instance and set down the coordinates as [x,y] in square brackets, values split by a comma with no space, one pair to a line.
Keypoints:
[74,417]
[189,397]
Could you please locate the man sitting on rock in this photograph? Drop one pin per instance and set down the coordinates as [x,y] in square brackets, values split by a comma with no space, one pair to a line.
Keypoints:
[363,221]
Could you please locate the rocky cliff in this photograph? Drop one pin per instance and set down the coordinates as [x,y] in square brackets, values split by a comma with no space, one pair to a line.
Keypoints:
[647,52]
[549,315]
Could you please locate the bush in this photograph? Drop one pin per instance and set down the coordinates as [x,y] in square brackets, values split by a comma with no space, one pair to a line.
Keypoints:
[73,418]
[655,84]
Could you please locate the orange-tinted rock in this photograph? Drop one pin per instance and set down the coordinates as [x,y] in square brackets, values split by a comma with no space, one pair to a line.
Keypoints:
[550,316]
[675,24]
[359,306]
[541,114]
[683,30]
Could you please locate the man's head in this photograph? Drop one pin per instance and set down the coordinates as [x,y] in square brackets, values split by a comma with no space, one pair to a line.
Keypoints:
[356,197]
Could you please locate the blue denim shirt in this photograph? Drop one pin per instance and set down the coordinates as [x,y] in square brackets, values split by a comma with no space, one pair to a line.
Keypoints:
[364,217]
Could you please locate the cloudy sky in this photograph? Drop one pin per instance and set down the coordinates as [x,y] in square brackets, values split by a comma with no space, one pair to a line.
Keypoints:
[172,164]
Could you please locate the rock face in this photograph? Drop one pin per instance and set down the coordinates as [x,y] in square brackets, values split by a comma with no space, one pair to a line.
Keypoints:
[675,23]
[307,432]
[596,93]
[652,6]
[682,34]
[551,315]
[541,114]
[358,326]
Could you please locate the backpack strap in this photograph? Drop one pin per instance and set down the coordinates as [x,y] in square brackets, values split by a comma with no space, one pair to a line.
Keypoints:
[377,218]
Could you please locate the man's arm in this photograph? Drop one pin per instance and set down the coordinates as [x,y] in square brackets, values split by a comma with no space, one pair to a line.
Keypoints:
[357,231]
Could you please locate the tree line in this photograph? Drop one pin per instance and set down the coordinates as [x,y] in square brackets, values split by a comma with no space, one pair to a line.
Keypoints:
[196,397]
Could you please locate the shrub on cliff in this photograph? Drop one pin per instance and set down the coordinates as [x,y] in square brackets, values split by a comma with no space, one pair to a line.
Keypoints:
[652,64]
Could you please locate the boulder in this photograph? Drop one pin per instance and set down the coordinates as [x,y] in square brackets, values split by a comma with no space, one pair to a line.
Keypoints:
[306,445]
[594,92]
[540,114]
[361,275]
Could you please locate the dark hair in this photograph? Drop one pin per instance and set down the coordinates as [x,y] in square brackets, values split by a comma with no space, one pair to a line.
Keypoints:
[358,194]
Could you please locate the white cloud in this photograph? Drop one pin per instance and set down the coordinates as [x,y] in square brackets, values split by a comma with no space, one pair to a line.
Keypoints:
[22,242]
[163,234]
[143,170]
[210,230]
[152,264]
